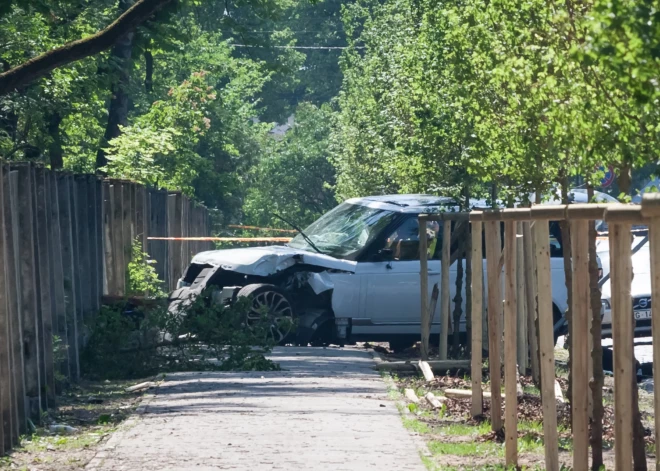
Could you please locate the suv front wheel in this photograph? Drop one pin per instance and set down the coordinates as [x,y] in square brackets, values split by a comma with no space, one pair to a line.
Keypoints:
[274,303]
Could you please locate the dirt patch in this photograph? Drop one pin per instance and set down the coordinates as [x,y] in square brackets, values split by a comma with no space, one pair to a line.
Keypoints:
[85,416]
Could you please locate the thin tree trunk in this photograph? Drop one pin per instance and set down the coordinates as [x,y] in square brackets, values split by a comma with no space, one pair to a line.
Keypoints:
[118,108]
[458,300]
[639,444]
[568,273]
[149,71]
[54,119]
[468,281]
[597,350]
[625,176]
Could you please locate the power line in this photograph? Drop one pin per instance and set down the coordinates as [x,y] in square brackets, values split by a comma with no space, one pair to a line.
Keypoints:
[326,48]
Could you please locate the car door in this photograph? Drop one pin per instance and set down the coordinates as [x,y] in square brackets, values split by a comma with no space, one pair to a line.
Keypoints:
[390,295]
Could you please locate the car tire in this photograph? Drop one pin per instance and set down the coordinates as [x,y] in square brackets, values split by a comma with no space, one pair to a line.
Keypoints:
[278,306]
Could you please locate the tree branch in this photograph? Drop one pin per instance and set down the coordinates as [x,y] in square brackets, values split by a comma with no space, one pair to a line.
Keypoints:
[76,50]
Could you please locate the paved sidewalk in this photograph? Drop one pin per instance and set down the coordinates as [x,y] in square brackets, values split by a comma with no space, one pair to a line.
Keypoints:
[328,410]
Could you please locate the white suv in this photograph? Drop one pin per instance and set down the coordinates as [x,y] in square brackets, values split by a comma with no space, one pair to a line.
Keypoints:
[354,274]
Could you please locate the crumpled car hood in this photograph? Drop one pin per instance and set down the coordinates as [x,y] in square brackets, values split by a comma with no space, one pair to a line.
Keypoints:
[264,261]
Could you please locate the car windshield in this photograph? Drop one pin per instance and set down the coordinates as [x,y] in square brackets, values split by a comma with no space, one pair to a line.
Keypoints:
[344,231]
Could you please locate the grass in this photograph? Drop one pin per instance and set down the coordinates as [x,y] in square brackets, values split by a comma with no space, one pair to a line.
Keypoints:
[466,449]
[460,429]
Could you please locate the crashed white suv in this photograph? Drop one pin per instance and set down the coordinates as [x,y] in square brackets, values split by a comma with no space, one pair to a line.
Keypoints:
[353,275]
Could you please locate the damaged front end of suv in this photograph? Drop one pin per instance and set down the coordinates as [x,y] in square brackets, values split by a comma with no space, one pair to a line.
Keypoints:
[296,289]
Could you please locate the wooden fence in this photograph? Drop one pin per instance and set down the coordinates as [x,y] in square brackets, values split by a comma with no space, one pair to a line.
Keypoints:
[65,241]
[526,235]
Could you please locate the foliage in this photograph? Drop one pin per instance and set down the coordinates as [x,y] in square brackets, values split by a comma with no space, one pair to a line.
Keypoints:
[138,342]
[142,278]
[294,177]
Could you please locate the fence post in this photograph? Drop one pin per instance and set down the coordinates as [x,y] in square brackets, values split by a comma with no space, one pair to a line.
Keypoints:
[477,281]
[445,296]
[12,273]
[28,294]
[68,268]
[530,299]
[157,227]
[580,361]
[6,404]
[174,207]
[424,287]
[620,224]
[522,305]
[141,215]
[43,273]
[651,210]
[546,338]
[510,342]
[110,283]
[493,254]
[92,222]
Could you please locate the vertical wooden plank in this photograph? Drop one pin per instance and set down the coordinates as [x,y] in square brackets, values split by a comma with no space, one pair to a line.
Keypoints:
[141,216]
[6,405]
[445,301]
[424,287]
[110,283]
[43,280]
[92,222]
[546,344]
[12,270]
[127,231]
[521,329]
[117,239]
[57,272]
[77,274]
[622,342]
[493,254]
[28,293]
[530,299]
[477,408]
[68,270]
[510,342]
[132,188]
[654,244]
[100,238]
[580,356]
[83,228]
[158,227]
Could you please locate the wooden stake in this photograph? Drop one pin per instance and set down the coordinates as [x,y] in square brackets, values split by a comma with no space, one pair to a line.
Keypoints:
[445,300]
[580,361]
[424,287]
[477,408]
[622,340]
[654,236]
[546,344]
[493,253]
[510,343]
[521,304]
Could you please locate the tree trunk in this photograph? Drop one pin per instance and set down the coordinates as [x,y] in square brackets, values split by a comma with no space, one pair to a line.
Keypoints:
[55,154]
[39,66]
[118,109]
[568,273]
[458,300]
[625,176]
[597,350]
[149,71]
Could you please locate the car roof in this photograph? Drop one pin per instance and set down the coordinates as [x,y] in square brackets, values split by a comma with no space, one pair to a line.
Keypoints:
[407,203]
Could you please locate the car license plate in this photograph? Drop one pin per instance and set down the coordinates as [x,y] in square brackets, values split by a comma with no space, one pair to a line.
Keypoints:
[643,314]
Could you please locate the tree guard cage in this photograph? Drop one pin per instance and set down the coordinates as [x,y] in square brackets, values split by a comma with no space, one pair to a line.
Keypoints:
[514,307]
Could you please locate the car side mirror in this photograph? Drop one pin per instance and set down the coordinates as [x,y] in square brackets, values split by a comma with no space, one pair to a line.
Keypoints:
[386,254]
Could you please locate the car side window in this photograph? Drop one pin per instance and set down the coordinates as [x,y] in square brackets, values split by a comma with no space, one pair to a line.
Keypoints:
[556,248]
[404,240]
